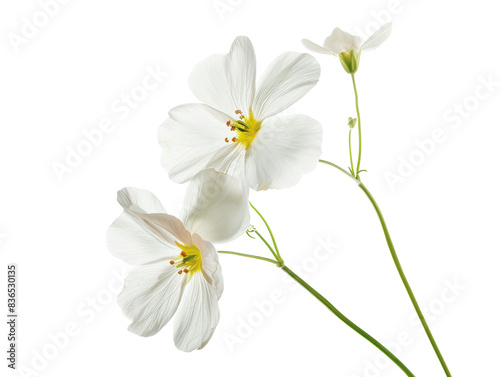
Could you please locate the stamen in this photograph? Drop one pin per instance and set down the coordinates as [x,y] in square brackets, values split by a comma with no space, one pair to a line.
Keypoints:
[233,128]
[234,140]
[189,261]
[239,112]
[227,140]
[228,123]
[242,117]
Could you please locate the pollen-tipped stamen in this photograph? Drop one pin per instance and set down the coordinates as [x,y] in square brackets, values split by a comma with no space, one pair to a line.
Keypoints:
[189,260]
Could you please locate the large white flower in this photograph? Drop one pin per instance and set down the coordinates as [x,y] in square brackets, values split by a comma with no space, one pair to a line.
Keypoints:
[235,130]
[348,47]
[178,268]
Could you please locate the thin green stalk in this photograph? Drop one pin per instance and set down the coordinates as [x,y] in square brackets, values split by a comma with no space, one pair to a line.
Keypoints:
[339,168]
[250,256]
[399,268]
[348,322]
[405,281]
[359,124]
[325,302]
[350,151]
[270,233]
[278,258]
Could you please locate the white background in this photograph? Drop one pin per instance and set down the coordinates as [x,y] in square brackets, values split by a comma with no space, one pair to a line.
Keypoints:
[443,217]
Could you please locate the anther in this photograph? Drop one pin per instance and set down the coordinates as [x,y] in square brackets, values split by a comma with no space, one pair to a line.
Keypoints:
[172,262]
[227,140]
[234,139]
[228,123]
[239,112]
[233,128]
[183,253]
[242,117]
[186,270]
[179,272]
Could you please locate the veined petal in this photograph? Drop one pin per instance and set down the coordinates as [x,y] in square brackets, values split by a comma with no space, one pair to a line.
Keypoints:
[240,71]
[168,227]
[210,264]
[134,238]
[216,207]
[190,138]
[208,82]
[289,77]
[379,37]
[340,41]
[151,296]
[316,48]
[285,148]
[139,200]
[230,160]
[131,240]
[197,315]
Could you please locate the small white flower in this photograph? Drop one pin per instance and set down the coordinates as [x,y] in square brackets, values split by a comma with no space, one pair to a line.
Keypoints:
[348,47]
[178,268]
[235,130]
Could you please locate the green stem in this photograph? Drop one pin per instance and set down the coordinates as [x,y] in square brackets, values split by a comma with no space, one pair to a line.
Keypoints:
[269,246]
[342,170]
[405,281]
[399,268]
[250,256]
[359,123]
[348,322]
[278,257]
[350,152]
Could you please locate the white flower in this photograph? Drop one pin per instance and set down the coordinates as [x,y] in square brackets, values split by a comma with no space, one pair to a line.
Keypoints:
[178,268]
[348,47]
[235,130]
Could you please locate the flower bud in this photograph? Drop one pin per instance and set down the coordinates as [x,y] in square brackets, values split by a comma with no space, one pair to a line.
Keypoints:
[351,122]
[350,60]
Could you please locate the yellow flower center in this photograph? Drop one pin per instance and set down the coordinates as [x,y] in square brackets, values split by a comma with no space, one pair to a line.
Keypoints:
[246,129]
[189,260]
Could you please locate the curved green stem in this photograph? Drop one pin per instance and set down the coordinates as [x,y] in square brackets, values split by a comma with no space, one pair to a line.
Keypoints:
[278,257]
[339,168]
[400,269]
[348,322]
[250,256]
[359,123]
[405,281]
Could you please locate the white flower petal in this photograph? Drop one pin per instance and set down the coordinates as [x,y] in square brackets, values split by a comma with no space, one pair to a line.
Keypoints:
[377,38]
[151,296]
[216,207]
[210,264]
[168,227]
[142,201]
[138,236]
[284,149]
[208,82]
[190,137]
[230,160]
[289,77]
[197,315]
[240,71]
[314,47]
[131,240]
[340,41]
